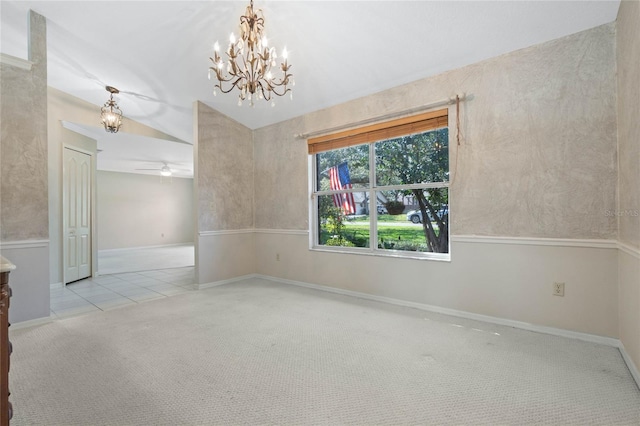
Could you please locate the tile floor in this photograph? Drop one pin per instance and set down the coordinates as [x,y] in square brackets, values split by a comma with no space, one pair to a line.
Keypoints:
[112,291]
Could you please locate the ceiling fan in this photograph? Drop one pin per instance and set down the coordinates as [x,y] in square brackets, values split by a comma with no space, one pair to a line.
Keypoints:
[165,170]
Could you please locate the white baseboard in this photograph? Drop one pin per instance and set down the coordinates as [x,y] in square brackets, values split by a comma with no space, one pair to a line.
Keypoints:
[30,323]
[633,369]
[223,282]
[55,286]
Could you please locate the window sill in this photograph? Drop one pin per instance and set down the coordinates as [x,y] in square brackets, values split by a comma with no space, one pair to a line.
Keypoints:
[444,257]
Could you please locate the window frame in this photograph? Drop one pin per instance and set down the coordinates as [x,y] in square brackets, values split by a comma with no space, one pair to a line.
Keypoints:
[372,190]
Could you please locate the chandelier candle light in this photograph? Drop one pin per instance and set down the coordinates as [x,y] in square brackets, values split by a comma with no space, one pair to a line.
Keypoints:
[249,62]
[111,114]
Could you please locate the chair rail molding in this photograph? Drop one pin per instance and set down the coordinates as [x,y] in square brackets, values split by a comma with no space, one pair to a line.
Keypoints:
[534,241]
[24,244]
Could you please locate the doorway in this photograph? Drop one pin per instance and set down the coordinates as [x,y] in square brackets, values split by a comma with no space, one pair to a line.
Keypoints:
[76,213]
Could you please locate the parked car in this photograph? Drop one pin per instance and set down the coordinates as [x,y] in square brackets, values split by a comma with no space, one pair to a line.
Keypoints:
[415,216]
[382,209]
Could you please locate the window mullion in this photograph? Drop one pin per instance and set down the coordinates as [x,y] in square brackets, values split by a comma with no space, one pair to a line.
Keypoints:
[373,201]
[339,191]
[314,219]
[414,186]
[384,188]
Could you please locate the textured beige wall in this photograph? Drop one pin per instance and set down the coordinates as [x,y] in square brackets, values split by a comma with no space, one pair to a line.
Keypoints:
[224,184]
[628,60]
[281,177]
[224,171]
[23,143]
[137,210]
[23,177]
[538,155]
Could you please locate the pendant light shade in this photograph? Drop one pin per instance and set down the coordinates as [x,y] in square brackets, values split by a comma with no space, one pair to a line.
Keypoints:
[111,114]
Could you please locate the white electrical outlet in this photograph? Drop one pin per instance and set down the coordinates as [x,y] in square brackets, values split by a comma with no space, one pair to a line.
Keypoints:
[558,289]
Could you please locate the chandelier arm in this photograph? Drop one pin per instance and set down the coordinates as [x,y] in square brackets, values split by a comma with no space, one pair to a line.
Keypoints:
[275,90]
[233,85]
[283,82]
[219,75]
[237,82]
[266,96]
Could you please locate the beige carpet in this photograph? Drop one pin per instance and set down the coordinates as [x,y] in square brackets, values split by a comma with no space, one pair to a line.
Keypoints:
[258,352]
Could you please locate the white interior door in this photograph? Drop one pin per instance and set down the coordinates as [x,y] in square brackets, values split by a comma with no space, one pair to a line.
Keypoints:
[77,215]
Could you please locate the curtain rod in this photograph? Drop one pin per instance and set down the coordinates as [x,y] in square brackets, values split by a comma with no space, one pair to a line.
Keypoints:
[448,101]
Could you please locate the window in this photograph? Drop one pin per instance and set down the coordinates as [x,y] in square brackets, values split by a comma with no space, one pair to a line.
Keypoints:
[384,189]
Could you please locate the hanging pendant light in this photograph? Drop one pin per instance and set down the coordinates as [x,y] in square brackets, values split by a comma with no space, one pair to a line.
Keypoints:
[249,63]
[111,114]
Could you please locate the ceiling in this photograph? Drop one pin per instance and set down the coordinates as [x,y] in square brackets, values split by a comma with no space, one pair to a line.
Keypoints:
[157,52]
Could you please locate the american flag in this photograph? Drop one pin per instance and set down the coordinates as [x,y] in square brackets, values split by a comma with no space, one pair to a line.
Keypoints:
[339,179]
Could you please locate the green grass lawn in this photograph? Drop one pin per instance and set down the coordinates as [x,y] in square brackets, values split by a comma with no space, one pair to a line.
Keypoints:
[412,234]
[391,230]
[381,218]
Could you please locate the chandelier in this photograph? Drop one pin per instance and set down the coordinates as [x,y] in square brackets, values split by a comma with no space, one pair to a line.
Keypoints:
[111,114]
[249,63]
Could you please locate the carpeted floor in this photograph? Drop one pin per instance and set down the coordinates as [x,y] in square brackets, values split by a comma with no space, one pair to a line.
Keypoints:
[259,352]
